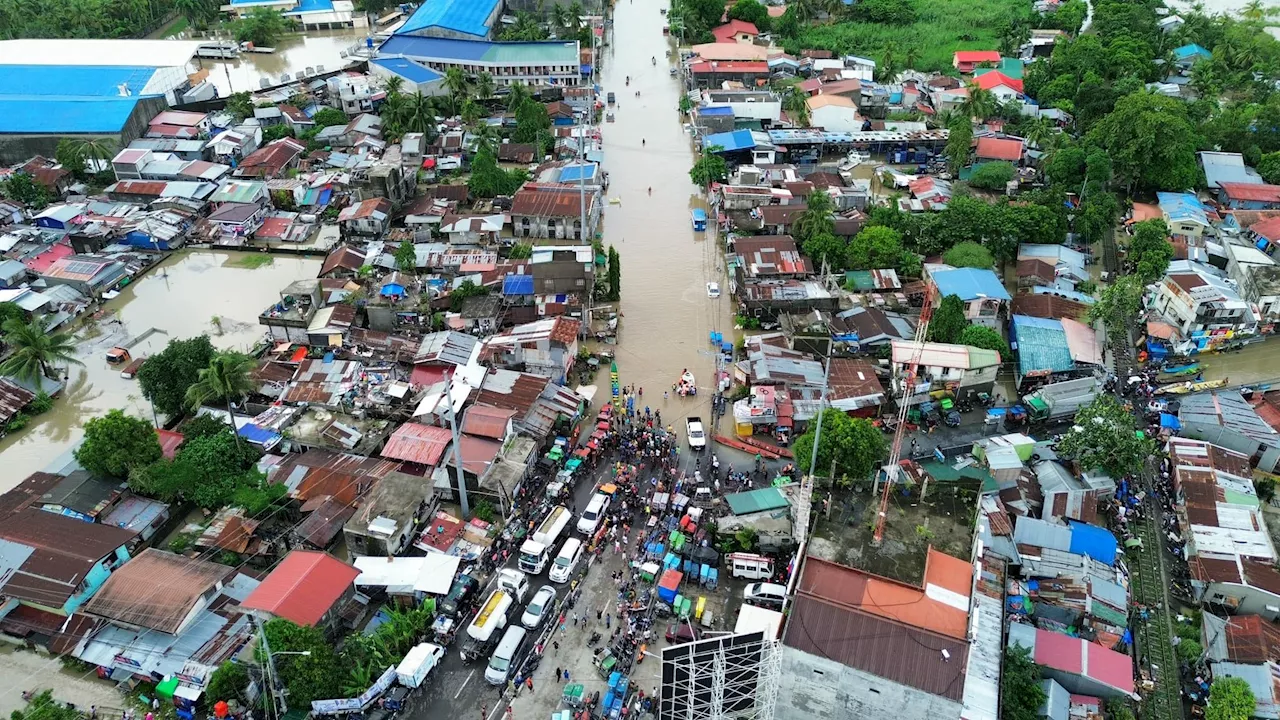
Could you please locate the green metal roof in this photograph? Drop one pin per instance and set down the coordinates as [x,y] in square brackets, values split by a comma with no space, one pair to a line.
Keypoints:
[980,358]
[943,472]
[756,501]
[1011,67]
[860,279]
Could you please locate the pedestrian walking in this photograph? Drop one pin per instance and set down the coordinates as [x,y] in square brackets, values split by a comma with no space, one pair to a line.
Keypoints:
[557,673]
[529,683]
[617,547]
[566,674]
[608,621]
[484,711]
[556,644]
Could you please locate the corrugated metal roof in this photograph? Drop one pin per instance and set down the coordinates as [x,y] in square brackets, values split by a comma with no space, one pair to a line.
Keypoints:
[753,501]
[420,444]
[156,590]
[487,421]
[303,587]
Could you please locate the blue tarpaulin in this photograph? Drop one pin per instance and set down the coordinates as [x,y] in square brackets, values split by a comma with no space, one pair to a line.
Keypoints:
[1170,421]
[730,141]
[517,285]
[1093,541]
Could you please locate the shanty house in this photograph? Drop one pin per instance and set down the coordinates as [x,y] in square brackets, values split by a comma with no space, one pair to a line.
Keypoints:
[981,291]
[369,217]
[961,369]
[552,212]
[545,347]
[387,519]
[307,588]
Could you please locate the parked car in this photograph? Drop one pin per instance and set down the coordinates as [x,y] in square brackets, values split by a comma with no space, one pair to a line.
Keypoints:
[682,633]
[539,607]
[765,594]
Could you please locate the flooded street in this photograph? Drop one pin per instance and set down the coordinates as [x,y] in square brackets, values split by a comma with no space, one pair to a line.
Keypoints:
[181,299]
[667,316]
[294,53]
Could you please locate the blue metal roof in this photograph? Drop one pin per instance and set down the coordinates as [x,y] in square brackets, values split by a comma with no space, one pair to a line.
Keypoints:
[407,69]
[1191,50]
[464,16]
[73,80]
[1093,541]
[310,6]
[730,141]
[1182,206]
[970,284]
[718,110]
[574,173]
[26,114]
[517,285]
[1042,344]
[256,434]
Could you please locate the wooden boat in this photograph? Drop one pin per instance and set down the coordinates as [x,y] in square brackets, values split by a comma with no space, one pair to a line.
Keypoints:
[1190,387]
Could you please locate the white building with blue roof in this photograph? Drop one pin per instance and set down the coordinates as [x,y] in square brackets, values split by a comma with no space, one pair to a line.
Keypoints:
[981,291]
[456,19]
[1185,215]
[311,14]
[539,64]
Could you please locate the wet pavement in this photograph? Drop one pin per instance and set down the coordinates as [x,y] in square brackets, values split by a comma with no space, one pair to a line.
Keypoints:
[180,299]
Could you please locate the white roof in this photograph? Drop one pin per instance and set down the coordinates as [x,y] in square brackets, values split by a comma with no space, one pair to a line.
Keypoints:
[98,53]
[432,574]
[757,619]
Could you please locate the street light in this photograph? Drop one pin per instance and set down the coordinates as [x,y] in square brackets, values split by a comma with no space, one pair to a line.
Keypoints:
[278,692]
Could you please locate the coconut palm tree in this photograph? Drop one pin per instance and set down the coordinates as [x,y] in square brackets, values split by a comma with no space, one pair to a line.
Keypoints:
[980,104]
[456,82]
[796,103]
[910,57]
[559,19]
[228,378]
[1041,133]
[488,136]
[35,350]
[419,116]
[817,218]
[98,150]
[471,113]
[484,86]
[517,96]
[394,84]
[887,69]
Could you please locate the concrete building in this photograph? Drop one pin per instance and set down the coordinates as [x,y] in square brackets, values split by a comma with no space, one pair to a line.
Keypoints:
[387,518]
[553,212]
[984,296]
[456,19]
[536,64]
[961,369]
[834,113]
[545,347]
[858,645]
[1258,277]
[1202,304]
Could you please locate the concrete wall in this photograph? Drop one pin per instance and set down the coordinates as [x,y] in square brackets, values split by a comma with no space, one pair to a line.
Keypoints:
[815,688]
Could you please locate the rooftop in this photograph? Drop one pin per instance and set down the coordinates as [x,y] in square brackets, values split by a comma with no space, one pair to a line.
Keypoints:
[156,590]
[553,52]
[420,444]
[969,284]
[990,148]
[303,587]
[465,16]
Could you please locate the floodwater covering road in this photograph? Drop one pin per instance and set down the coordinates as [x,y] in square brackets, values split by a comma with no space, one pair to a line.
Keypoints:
[181,298]
[294,54]
[667,316]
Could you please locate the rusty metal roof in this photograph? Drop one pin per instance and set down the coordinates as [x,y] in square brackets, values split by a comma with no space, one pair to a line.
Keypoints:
[415,443]
[156,589]
[13,397]
[487,421]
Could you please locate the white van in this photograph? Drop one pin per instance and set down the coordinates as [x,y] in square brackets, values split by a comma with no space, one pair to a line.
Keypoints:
[566,562]
[750,566]
[765,594]
[505,656]
[594,513]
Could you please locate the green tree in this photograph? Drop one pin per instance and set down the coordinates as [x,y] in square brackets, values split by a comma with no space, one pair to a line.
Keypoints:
[981,336]
[11,311]
[532,123]
[1020,691]
[23,189]
[1230,699]
[615,275]
[1189,651]
[228,682]
[201,426]
[855,445]
[818,217]
[876,248]
[959,144]
[228,378]
[165,377]
[948,321]
[1150,251]
[199,13]
[969,254]
[1269,168]
[406,258]
[116,443]
[992,176]
[752,12]
[825,248]
[980,103]
[709,168]
[885,12]
[276,132]
[34,349]
[44,707]
[520,251]
[1117,307]
[327,117]
[306,677]
[788,26]
[1265,487]
[466,289]
[1151,143]
[209,470]
[488,179]
[796,102]
[1103,436]
[240,105]
[260,26]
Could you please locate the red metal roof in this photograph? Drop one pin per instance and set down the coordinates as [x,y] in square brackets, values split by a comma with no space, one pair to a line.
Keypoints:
[543,201]
[729,66]
[893,600]
[487,421]
[977,56]
[42,262]
[169,442]
[1251,640]
[990,148]
[995,78]
[1269,228]
[303,587]
[1251,192]
[421,444]
[733,27]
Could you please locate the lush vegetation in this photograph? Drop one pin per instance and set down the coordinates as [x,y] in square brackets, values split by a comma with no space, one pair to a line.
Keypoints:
[853,444]
[81,18]
[165,377]
[35,350]
[117,444]
[1103,436]
[1020,693]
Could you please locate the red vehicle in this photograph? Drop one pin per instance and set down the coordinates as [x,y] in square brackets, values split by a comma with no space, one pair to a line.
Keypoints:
[682,633]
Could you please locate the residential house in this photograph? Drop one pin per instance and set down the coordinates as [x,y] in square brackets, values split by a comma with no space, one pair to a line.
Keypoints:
[560,270]
[1004,88]
[834,113]
[966,61]
[1226,167]
[168,615]
[963,370]
[1185,56]
[545,347]
[553,212]
[91,275]
[1246,647]
[482,313]
[296,119]
[288,319]
[489,422]
[777,219]
[1051,350]
[769,257]
[869,327]
[387,519]
[1068,264]
[307,588]
[1229,421]
[230,146]
[1081,666]
[1184,214]
[913,648]
[368,217]
[1249,196]
[736,31]
[715,73]
[1202,305]
[1048,306]
[1258,278]
[981,291]
[473,229]
[272,160]
[1000,149]
[343,262]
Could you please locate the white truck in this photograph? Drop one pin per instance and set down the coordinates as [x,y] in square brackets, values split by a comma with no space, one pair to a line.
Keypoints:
[486,627]
[514,583]
[536,551]
[697,436]
[418,663]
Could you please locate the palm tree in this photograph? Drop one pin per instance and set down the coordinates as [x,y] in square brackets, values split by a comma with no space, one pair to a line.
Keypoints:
[559,19]
[35,350]
[228,378]
[796,103]
[910,57]
[394,84]
[457,84]
[484,86]
[1255,11]
[488,136]
[817,218]
[887,70]
[420,116]
[1040,132]
[471,112]
[519,93]
[980,104]
[99,150]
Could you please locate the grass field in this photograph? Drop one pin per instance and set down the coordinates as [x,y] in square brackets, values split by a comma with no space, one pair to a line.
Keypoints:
[944,26]
[251,262]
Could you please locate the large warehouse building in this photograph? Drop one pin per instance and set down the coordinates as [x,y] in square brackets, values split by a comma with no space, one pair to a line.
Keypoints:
[51,89]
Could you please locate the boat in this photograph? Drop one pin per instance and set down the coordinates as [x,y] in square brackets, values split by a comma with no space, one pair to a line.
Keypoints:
[738,444]
[131,370]
[699,219]
[1191,387]
[1190,368]
[686,385]
[251,48]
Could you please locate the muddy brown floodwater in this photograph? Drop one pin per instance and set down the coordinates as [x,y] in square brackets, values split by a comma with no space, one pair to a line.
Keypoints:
[181,298]
[667,316]
[294,53]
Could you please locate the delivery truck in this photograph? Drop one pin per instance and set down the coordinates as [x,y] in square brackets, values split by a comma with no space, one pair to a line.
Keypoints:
[536,551]
[1060,401]
[486,628]
[418,663]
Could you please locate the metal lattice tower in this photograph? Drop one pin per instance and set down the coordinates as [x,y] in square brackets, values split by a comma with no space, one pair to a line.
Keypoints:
[732,683]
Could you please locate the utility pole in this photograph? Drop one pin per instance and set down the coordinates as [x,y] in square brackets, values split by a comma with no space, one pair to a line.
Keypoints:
[275,705]
[457,452]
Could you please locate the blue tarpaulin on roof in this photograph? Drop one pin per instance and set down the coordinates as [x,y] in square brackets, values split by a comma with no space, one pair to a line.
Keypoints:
[517,285]
[257,435]
[719,110]
[1170,421]
[730,141]
[1094,542]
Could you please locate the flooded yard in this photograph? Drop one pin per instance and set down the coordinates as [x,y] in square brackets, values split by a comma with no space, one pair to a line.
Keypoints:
[294,53]
[189,293]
